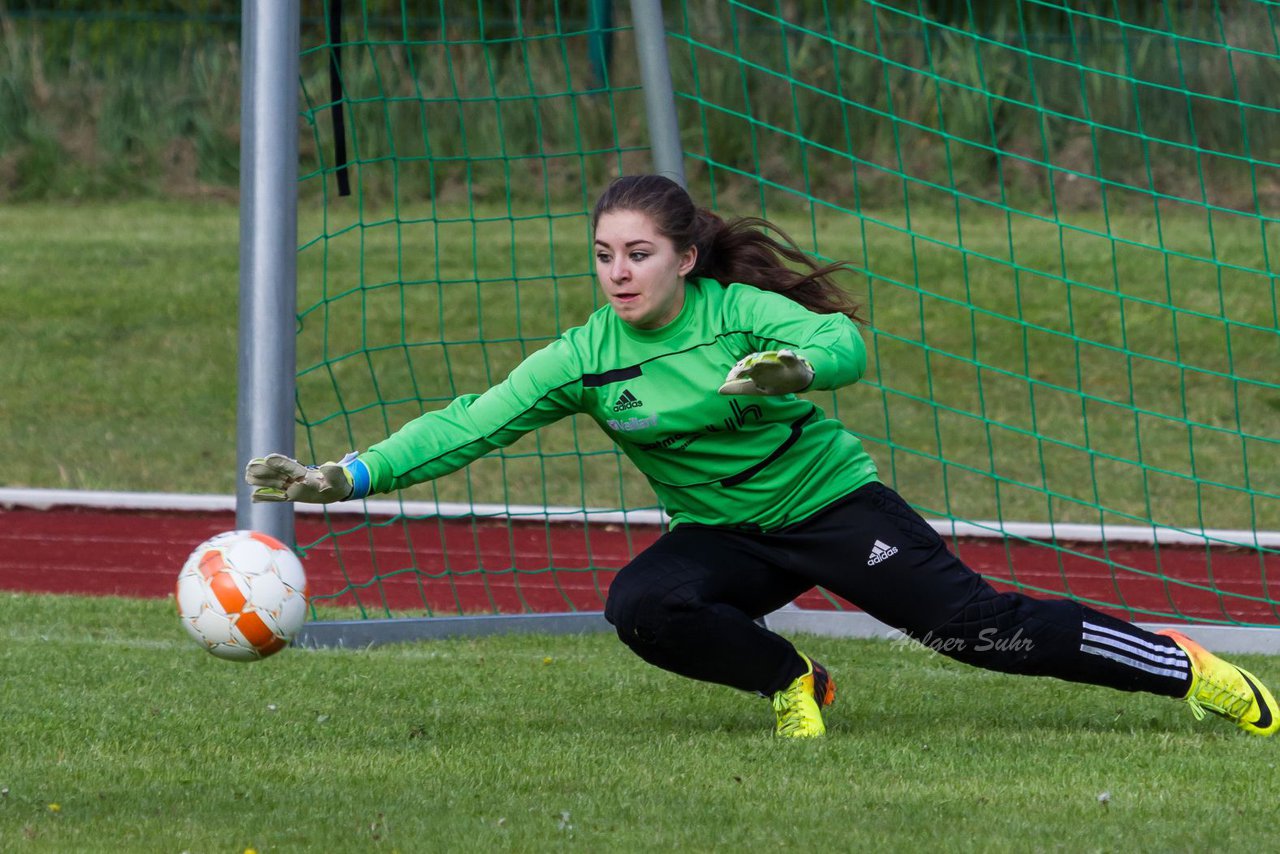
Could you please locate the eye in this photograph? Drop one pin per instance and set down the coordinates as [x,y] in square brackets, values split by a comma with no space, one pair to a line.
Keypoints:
[602,257]
[639,256]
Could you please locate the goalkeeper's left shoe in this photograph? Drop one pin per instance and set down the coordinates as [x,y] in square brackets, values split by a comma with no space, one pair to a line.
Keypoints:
[799,705]
[1224,689]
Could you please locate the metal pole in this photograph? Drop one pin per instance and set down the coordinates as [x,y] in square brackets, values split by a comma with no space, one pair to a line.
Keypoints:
[268,248]
[659,97]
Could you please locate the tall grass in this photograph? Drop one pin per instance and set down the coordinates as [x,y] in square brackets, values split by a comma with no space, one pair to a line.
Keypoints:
[1170,101]
[88,123]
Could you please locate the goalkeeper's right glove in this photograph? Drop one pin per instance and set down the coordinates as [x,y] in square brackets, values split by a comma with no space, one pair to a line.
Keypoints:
[276,477]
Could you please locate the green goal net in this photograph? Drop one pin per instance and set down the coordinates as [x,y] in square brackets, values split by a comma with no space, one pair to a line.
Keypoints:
[1062,214]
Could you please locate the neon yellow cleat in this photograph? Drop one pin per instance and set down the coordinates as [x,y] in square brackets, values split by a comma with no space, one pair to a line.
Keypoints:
[799,705]
[1224,689]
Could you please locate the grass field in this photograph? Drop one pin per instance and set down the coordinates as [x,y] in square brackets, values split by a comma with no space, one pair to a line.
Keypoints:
[120,734]
[119,336]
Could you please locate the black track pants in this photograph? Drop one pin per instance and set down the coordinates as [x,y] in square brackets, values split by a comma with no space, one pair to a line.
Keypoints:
[689,603]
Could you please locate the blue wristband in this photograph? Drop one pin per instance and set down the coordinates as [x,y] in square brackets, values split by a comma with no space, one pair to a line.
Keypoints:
[360,480]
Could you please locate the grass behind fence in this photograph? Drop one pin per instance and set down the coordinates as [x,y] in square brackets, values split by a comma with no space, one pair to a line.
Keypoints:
[120,734]
[120,342]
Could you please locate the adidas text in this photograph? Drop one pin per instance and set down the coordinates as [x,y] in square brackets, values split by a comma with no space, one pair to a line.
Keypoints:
[881,552]
[626,401]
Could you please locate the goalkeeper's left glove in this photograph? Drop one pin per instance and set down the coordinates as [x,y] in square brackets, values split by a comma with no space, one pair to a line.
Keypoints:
[279,478]
[770,372]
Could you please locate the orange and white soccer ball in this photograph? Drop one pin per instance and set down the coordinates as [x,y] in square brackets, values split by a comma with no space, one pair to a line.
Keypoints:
[242,595]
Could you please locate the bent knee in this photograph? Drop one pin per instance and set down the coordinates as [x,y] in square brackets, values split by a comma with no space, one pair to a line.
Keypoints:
[643,598]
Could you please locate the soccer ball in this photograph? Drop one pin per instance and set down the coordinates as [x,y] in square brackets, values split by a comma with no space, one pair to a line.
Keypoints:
[242,595]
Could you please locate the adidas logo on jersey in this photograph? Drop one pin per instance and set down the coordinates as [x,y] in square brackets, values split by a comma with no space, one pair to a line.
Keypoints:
[626,401]
[880,552]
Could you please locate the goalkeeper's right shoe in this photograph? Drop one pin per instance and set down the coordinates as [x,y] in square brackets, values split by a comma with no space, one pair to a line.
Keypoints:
[1224,689]
[799,705]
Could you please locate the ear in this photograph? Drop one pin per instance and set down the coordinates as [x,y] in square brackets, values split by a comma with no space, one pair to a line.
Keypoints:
[688,259]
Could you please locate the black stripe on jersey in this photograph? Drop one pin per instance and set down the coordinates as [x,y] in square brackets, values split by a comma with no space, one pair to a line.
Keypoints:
[617,375]
[747,474]
[633,371]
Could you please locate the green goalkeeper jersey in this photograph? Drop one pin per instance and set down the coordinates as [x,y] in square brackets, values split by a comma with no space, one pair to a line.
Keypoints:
[758,461]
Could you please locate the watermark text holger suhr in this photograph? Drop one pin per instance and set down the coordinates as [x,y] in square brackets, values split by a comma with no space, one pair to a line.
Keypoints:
[988,640]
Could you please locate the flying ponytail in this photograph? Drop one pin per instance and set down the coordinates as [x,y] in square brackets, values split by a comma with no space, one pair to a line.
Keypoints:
[740,250]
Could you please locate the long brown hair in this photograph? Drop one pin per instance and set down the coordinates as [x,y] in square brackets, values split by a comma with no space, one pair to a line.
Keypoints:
[738,250]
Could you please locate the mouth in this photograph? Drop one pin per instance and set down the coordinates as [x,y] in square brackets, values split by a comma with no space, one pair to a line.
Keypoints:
[625,297]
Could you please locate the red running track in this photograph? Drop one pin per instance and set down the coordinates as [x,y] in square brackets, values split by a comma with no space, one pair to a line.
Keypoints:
[473,565]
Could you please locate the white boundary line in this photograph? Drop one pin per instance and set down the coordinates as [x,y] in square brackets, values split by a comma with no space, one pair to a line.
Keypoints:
[45,499]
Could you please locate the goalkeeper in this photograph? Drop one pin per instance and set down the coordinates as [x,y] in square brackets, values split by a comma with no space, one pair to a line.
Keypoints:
[692,368]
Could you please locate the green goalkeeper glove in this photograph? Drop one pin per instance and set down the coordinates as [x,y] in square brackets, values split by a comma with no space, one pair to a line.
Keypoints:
[770,372]
[276,477]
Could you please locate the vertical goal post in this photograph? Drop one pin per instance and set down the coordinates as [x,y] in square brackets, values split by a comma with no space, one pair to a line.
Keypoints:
[1075,215]
[268,249]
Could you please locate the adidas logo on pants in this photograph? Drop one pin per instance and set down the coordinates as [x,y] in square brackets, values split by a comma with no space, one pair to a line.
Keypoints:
[879,552]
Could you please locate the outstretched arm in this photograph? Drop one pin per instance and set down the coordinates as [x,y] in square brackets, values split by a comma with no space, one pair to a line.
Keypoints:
[542,389]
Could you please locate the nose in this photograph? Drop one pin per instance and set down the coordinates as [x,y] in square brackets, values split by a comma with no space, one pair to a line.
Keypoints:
[618,270]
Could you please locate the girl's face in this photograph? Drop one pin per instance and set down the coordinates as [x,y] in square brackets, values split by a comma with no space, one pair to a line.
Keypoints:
[640,271]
